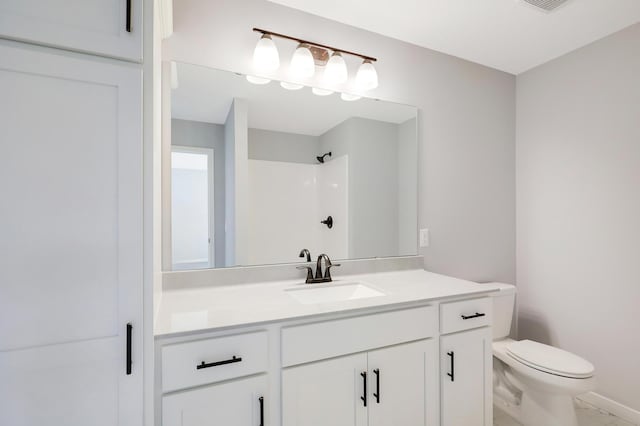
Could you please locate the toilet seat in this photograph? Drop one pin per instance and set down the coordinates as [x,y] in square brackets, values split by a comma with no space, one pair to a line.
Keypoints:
[549,359]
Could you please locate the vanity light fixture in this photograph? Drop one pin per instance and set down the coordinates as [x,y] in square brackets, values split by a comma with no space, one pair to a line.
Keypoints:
[307,55]
[336,70]
[257,80]
[302,63]
[291,86]
[265,55]
[366,77]
[321,92]
[349,97]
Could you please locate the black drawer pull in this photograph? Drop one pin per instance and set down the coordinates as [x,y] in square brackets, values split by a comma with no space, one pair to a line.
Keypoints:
[364,397]
[215,364]
[129,358]
[128,24]
[453,364]
[377,392]
[477,315]
[261,399]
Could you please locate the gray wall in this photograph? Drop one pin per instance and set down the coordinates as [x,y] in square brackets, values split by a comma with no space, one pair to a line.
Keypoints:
[207,135]
[373,183]
[230,188]
[236,130]
[467,123]
[407,187]
[280,146]
[578,186]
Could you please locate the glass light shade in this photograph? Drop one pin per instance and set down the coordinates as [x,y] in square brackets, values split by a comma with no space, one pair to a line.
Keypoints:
[302,63]
[349,97]
[336,70]
[321,92]
[291,86]
[265,55]
[366,77]
[257,80]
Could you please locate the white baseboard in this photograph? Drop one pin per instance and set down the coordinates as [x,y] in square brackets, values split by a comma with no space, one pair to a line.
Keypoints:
[611,406]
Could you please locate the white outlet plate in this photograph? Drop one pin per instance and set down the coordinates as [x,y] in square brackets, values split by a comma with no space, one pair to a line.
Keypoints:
[424,237]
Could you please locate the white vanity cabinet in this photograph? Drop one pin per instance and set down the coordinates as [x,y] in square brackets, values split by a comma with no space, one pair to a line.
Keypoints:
[384,367]
[240,402]
[216,381]
[71,224]
[402,389]
[325,393]
[384,387]
[106,27]
[466,363]
[381,370]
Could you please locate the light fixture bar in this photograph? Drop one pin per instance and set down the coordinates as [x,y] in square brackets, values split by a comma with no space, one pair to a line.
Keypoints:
[312,43]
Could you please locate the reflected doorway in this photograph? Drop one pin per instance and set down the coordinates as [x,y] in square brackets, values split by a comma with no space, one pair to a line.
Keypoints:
[192,217]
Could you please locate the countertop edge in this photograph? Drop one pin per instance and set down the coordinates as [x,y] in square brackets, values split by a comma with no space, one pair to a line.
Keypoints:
[296,317]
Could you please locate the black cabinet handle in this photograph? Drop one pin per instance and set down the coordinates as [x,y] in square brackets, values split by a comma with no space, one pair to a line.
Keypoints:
[453,364]
[377,392]
[128,24]
[364,397]
[261,399]
[129,359]
[215,364]
[476,315]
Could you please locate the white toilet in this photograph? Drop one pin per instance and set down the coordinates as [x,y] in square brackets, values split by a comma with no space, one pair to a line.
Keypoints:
[533,382]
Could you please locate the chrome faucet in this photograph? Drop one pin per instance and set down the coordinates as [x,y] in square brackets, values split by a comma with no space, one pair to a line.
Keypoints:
[319,277]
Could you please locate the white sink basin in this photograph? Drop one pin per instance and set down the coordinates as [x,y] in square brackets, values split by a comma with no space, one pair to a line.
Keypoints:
[333,292]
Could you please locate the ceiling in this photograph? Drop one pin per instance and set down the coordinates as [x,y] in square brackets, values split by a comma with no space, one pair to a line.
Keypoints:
[205,94]
[509,35]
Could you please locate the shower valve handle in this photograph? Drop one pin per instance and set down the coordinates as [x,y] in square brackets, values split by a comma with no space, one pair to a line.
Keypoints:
[328,221]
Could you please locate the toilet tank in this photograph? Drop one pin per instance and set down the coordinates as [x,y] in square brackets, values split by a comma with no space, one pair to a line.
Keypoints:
[503,304]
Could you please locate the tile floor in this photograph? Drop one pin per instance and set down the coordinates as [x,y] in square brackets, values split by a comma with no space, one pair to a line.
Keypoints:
[588,415]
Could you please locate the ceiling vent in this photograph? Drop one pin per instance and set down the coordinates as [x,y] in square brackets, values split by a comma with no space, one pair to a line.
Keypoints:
[546,5]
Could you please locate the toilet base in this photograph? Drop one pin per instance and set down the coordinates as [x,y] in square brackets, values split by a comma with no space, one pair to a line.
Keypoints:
[540,408]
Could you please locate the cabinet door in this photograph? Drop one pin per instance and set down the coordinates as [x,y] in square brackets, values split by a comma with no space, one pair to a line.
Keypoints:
[71,245]
[465,376]
[98,26]
[325,393]
[401,385]
[240,402]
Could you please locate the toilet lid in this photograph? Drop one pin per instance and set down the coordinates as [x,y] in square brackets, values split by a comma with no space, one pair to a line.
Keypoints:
[550,360]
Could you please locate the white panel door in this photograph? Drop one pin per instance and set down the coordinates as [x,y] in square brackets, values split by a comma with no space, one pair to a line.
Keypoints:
[325,393]
[465,377]
[98,26]
[400,391]
[71,245]
[240,402]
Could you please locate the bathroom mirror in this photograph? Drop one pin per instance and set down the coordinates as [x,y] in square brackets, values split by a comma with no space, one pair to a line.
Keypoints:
[259,172]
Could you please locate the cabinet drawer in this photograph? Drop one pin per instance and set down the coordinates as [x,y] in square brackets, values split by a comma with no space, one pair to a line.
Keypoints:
[465,314]
[207,361]
[323,340]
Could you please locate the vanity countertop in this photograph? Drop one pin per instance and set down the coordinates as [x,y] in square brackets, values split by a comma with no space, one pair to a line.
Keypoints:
[210,308]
